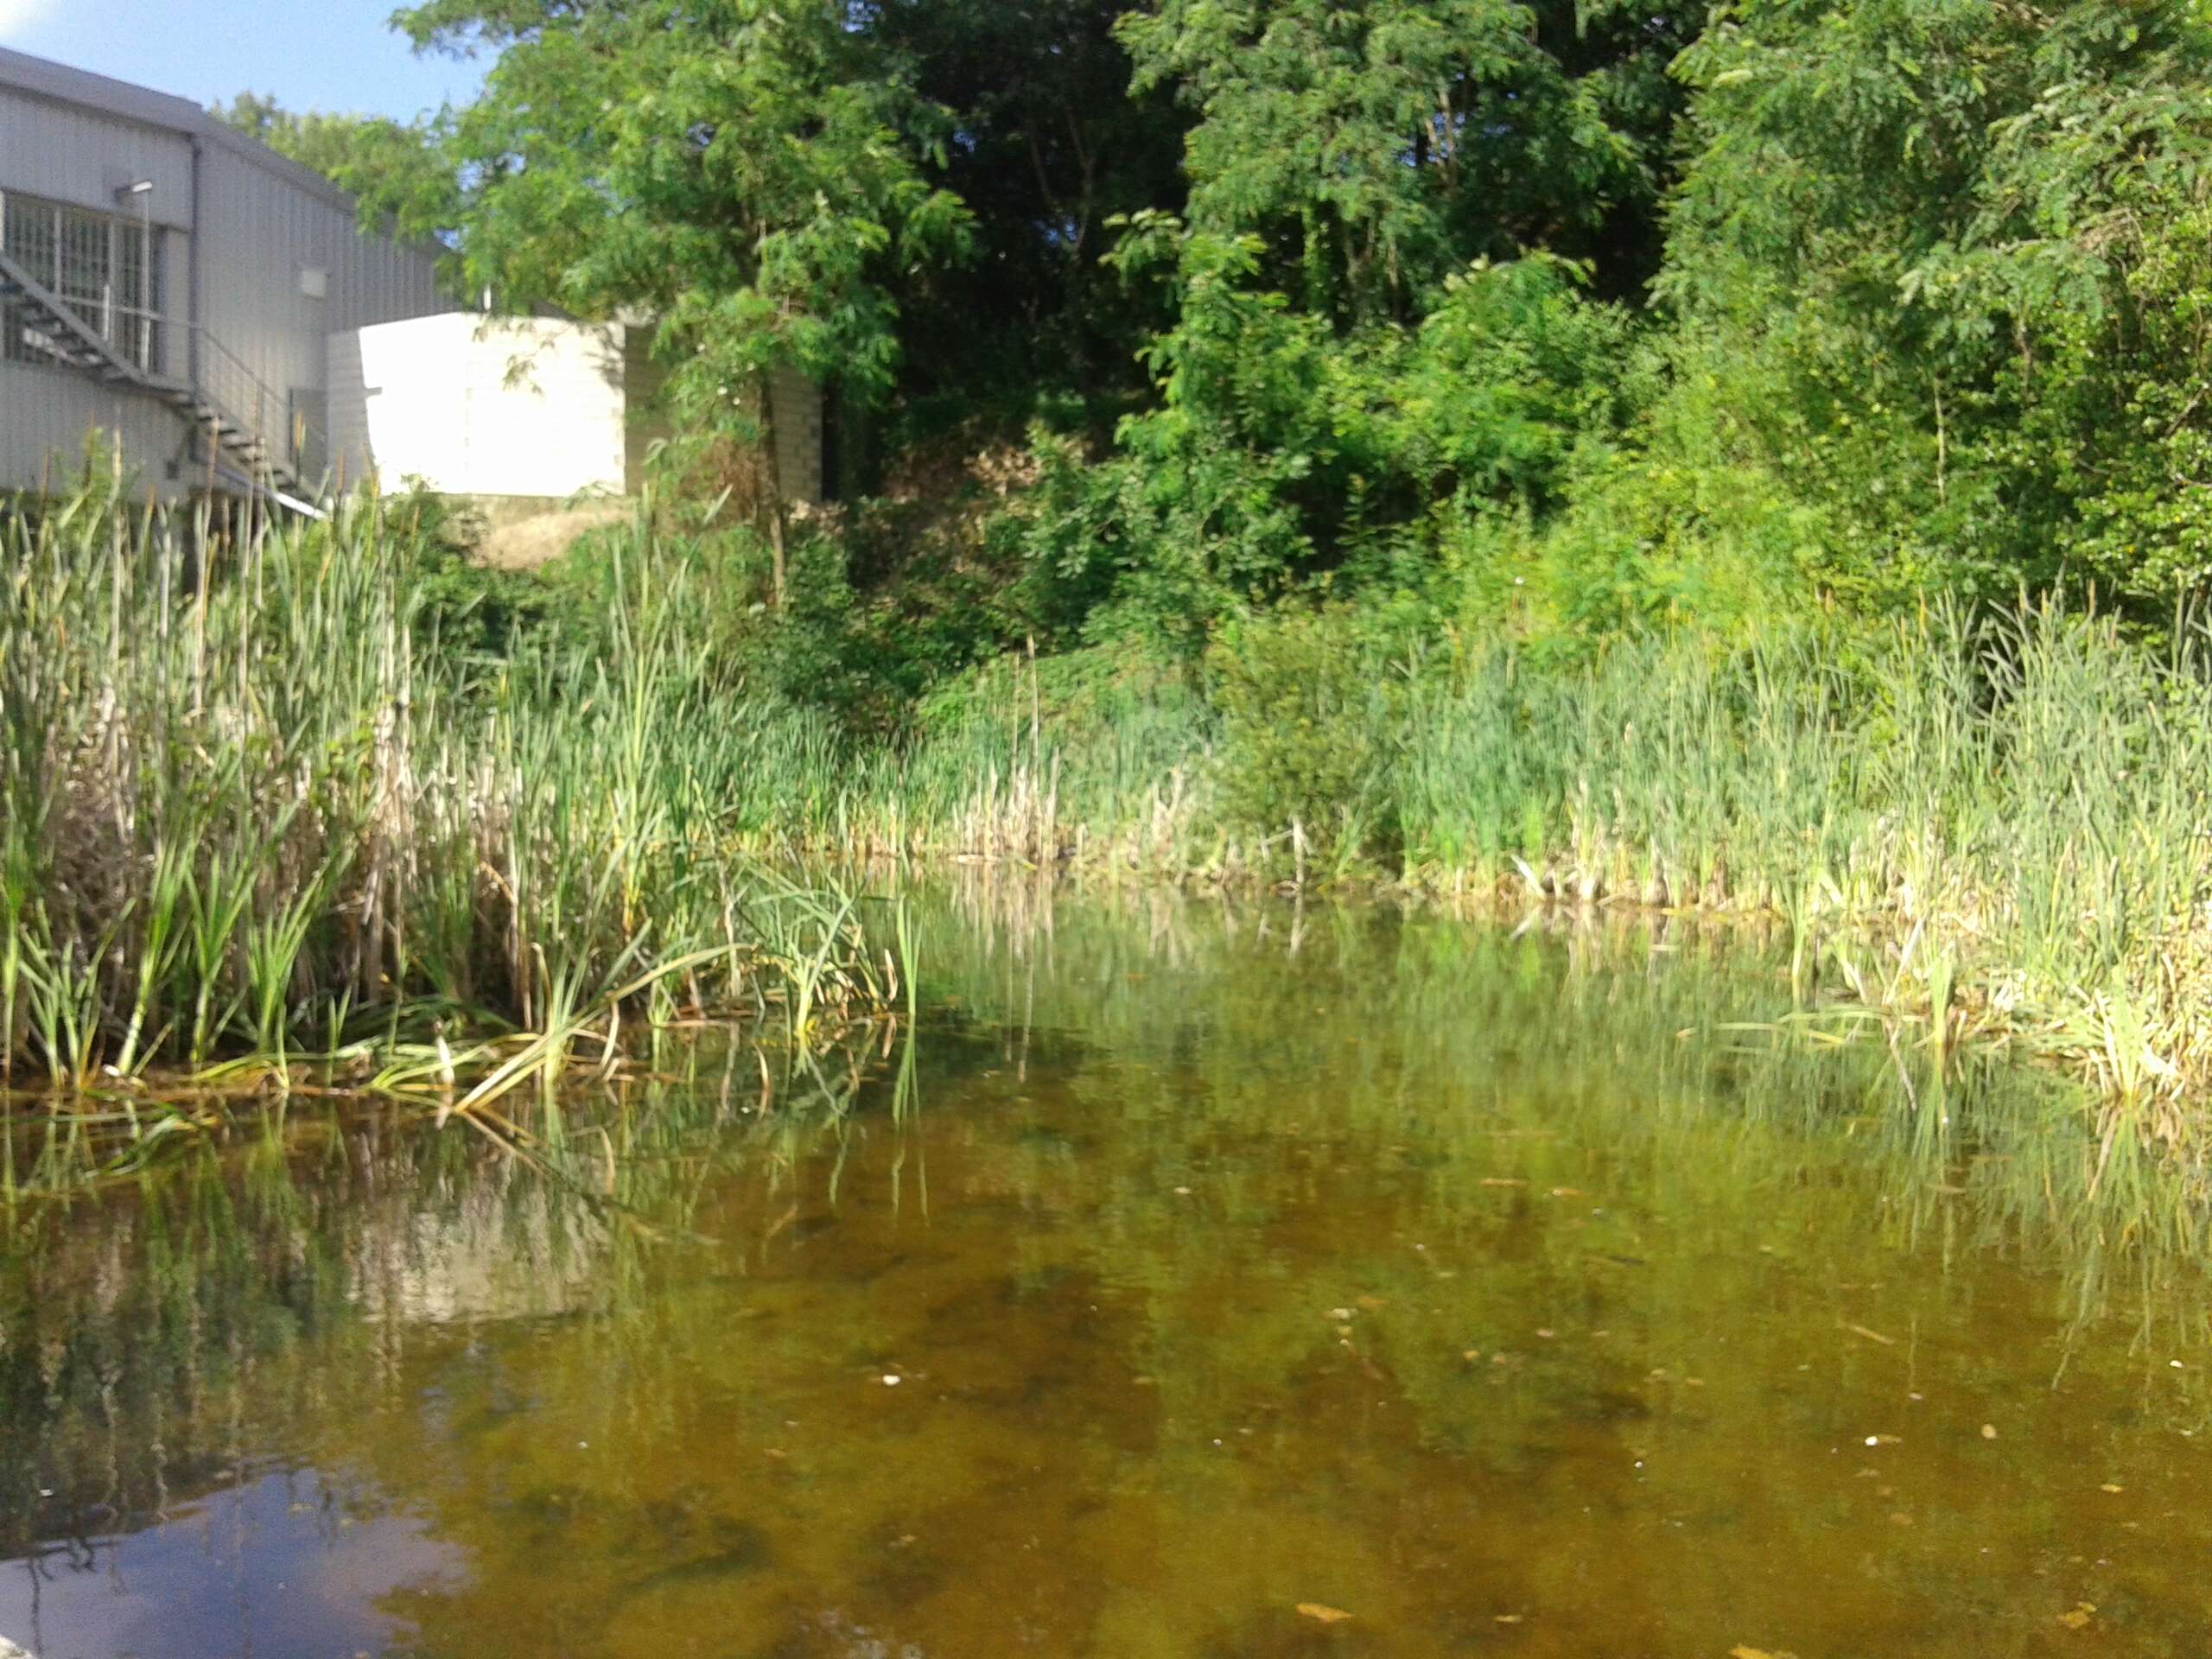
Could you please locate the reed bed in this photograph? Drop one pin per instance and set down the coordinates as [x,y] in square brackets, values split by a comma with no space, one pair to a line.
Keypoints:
[1994,824]
[258,815]
[1987,826]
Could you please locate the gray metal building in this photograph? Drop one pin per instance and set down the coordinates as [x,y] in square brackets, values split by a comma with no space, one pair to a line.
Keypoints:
[174,284]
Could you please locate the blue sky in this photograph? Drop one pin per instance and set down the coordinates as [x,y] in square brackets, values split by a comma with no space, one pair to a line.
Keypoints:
[323,54]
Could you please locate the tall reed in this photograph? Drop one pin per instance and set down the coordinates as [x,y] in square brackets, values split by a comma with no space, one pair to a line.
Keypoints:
[1997,821]
[1995,825]
[253,802]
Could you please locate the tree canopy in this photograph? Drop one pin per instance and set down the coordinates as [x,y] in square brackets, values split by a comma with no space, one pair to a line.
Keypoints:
[751,174]
[1592,315]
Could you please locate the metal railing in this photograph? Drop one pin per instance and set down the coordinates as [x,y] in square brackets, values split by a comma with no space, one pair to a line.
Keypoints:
[104,270]
[133,336]
[266,422]
[243,417]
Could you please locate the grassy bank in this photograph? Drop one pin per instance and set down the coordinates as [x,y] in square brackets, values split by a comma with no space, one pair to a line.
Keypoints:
[1991,826]
[276,806]
[316,804]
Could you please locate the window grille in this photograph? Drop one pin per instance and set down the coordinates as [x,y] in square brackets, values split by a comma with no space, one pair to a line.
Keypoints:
[106,269]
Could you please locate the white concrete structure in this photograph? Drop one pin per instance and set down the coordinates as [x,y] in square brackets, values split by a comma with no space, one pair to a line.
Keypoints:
[171,282]
[489,406]
[523,407]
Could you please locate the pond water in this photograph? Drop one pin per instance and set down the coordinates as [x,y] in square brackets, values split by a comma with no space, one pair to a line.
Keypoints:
[1195,1281]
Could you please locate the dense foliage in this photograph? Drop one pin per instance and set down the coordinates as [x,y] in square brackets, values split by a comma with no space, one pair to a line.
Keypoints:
[1749,454]
[1559,321]
[1953,256]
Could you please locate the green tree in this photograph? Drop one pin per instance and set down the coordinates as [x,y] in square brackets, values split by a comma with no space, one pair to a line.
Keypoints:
[750,173]
[1375,337]
[1282,455]
[1375,149]
[1951,256]
[1049,145]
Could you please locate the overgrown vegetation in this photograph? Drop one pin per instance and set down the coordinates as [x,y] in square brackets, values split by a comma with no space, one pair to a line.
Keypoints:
[1747,453]
[1598,317]
[278,802]
[1989,825]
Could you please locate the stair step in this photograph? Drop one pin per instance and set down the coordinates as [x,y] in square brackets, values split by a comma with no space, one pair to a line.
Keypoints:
[64,339]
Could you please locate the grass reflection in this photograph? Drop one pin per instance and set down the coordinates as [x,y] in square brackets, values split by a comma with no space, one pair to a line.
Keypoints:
[1245,1256]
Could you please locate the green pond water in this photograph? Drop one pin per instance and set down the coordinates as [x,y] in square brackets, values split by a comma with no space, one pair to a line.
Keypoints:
[1192,1281]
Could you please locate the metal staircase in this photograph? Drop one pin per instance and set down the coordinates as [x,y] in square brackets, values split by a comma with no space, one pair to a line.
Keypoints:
[244,421]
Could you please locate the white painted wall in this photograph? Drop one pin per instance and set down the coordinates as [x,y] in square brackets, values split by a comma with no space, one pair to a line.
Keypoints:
[474,405]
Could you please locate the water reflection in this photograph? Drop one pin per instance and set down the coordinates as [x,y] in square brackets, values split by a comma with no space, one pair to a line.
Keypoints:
[1196,1265]
[279,1563]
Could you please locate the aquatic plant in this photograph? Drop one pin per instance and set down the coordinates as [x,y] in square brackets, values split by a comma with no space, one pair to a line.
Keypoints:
[256,809]
[1987,824]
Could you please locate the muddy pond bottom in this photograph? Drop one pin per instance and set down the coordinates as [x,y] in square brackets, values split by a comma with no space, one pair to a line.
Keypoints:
[1197,1284]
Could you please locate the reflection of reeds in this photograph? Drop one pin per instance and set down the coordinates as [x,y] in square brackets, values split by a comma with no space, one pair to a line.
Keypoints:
[306,1247]
[280,819]
[1260,1052]
[1706,1014]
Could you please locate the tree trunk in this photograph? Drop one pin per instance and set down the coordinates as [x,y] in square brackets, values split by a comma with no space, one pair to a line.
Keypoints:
[771,507]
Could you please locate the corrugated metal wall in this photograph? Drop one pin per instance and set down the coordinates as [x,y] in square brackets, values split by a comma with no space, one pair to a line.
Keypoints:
[78,155]
[46,414]
[263,222]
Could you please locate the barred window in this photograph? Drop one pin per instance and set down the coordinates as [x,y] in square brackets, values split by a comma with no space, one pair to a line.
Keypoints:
[105,268]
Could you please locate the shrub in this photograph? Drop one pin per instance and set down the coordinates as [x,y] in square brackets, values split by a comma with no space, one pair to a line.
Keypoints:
[1312,712]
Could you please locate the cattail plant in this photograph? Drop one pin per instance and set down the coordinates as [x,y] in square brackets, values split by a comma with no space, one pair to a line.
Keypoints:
[253,807]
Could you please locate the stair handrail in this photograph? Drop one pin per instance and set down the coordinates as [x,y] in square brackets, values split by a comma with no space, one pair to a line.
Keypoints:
[59,308]
[222,379]
[240,386]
